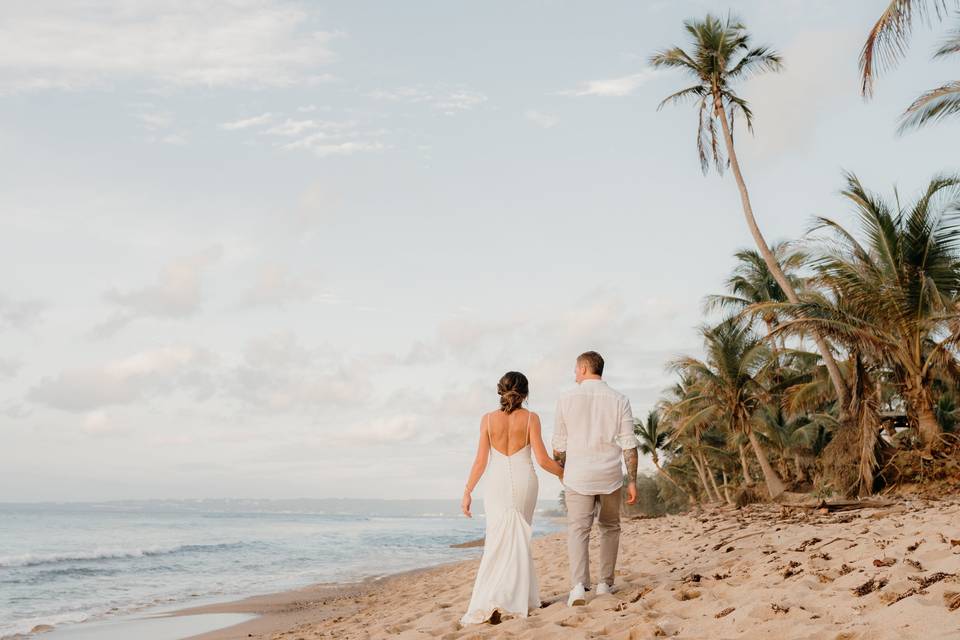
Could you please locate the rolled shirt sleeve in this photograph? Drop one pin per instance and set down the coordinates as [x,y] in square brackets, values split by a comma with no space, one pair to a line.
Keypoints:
[625,436]
[559,441]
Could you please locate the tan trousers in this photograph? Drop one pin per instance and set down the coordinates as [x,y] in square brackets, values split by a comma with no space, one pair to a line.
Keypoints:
[581,510]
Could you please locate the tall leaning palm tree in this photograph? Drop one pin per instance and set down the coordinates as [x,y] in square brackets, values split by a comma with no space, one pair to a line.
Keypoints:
[721,56]
[731,391]
[886,44]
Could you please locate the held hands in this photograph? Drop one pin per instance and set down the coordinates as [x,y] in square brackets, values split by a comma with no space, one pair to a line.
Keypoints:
[631,493]
[465,504]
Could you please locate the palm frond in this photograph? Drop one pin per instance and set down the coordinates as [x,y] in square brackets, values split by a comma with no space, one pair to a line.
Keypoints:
[932,106]
[887,41]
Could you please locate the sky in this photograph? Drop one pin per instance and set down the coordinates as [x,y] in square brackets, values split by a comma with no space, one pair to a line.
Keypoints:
[276,249]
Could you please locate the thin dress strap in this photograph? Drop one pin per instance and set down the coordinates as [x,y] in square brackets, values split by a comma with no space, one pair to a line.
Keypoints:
[489,435]
[529,413]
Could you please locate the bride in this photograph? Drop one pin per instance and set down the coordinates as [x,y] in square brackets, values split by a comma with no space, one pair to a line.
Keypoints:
[507,580]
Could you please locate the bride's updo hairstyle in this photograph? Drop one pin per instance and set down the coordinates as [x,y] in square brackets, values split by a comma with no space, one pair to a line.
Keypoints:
[513,389]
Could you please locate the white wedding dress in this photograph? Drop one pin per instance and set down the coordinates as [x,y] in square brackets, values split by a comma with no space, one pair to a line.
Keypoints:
[507,579]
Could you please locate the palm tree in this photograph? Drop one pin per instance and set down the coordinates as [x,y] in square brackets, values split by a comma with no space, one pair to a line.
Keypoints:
[722,55]
[896,293]
[653,436]
[886,44]
[752,283]
[730,389]
[678,408]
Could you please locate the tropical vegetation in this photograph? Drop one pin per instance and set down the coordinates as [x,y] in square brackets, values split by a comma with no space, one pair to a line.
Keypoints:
[830,364]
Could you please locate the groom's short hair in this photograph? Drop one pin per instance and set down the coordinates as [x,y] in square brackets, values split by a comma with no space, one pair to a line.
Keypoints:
[593,360]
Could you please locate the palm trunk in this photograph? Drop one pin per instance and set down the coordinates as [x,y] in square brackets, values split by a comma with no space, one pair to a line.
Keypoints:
[713,481]
[747,478]
[771,260]
[663,472]
[869,434]
[726,489]
[928,427]
[774,483]
[801,474]
[782,466]
[703,479]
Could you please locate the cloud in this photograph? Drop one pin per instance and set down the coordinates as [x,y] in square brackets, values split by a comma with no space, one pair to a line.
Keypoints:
[100,423]
[322,149]
[19,314]
[292,127]
[545,120]
[9,367]
[138,377]
[177,139]
[275,286]
[449,101]
[166,44]
[638,337]
[789,105]
[613,87]
[246,123]
[178,293]
[387,430]
[158,124]
[278,374]
[153,120]
[325,137]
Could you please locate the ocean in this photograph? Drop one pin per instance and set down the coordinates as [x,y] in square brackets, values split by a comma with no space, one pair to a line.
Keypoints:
[66,564]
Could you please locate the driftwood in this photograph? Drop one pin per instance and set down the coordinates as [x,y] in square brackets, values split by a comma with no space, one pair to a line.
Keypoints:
[829,543]
[839,505]
[717,546]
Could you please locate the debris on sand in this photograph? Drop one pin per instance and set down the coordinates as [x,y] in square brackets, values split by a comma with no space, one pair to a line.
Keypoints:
[778,608]
[730,610]
[845,569]
[952,600]
[806,543]
[893,598]
[916,544]
[871,585]
[913,563]
[885,562]
[925,582]
[791,570]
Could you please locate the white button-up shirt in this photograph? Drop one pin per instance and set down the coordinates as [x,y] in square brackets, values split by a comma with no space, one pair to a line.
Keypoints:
[594,425]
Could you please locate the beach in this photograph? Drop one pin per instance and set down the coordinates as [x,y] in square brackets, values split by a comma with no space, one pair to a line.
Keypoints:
[765,570]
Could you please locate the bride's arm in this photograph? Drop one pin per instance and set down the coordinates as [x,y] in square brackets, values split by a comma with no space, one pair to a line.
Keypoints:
[479,465]
[540,451]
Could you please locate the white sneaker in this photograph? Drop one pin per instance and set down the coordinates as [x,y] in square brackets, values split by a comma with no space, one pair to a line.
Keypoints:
[578,596]
[603,589]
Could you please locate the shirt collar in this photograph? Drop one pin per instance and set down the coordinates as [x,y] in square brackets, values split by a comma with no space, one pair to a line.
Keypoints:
[589,382]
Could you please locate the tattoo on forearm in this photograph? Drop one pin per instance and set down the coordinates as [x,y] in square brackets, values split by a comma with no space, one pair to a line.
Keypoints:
[560,457]
[630,458]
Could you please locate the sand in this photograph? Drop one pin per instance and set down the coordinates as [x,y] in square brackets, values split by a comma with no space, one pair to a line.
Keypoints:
[762,571]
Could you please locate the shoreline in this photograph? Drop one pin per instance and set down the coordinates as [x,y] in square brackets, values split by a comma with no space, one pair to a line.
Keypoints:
[882,571]
[282,610]
[876,572]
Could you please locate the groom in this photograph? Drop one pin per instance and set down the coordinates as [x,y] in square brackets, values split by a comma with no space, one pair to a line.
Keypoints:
[594,428]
